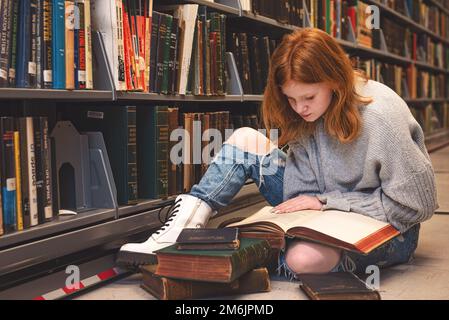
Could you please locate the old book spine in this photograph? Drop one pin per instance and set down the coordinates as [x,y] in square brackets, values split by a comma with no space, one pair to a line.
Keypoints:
[173,57]
[250,257]
[47,50]
[173,114]
[155,23]
[132,155]
[162,139]
[164,288]
[160,52]
[5,40]
[166,56]
[19,211]
[69,44]
[8,174]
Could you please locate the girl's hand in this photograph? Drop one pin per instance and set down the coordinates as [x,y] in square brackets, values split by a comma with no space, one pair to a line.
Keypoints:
[298,203]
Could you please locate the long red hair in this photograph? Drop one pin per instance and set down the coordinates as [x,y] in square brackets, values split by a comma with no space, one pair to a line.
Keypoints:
[312,56]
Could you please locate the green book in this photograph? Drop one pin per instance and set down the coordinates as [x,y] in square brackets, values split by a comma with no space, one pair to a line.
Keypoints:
[213,265]
[152,151]
[166,54]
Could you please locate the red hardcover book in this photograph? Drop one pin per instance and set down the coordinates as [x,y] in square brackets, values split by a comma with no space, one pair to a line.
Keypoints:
[129,56]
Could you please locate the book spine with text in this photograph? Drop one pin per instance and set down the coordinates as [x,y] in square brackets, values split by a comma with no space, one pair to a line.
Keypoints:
[47,49]
[39,41]
[24,45]
[88,36]
[32,64]
[58,60]
[5,40]
[13,51]
[8,174]
[81,45]
[19,211]
[69,44]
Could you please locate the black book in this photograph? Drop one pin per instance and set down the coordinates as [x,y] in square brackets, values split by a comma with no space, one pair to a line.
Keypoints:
[47,47]
[13,51]
[336,286]
[256,70]
[5,40]
[245,76]
[43,170]
[32,66]
[173,57]
[161,43]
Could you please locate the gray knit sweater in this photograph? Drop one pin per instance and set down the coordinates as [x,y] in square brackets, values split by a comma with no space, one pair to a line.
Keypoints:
[385,173]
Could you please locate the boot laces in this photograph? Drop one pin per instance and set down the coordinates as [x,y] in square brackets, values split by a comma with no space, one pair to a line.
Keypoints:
[171,213]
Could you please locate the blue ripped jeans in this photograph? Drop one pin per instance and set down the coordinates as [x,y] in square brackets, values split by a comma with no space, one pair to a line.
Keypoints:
[232,166]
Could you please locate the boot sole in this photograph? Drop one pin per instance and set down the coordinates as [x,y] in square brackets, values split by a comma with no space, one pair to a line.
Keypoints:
[133,260]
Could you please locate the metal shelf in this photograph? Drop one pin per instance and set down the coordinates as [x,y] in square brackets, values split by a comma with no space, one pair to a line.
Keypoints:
[53,94]
[33,253]
[59,225]
[425,100]
[141,96]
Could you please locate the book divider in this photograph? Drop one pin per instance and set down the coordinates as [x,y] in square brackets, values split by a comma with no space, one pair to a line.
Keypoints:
[102,73]
[306,21]
[234,85]
[84,174]
[232,3]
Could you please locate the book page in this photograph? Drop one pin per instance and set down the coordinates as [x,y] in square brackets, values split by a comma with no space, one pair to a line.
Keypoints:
[285,220]
[346,226]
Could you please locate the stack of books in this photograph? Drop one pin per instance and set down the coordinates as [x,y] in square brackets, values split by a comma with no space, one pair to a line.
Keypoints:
[207,263]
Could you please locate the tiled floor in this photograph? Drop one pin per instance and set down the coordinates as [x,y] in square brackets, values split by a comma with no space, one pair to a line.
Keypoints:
[427,277]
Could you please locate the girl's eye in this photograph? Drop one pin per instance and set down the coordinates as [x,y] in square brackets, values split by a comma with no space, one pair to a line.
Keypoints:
[310,98]
[292,101]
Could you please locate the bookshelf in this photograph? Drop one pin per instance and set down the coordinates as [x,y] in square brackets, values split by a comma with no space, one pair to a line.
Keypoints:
[99,228]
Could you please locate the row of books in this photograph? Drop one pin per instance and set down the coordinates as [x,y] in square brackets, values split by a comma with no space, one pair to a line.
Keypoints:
[179,49]
[285,11]
[139,142]
[26,176]
[46,44]
[432,117]
[408,82]
[252,56]
[424,13]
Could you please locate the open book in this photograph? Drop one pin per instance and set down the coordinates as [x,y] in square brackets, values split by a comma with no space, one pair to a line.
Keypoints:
[346,230]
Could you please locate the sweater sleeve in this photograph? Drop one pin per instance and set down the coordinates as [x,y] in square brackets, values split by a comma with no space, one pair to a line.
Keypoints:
[407,192]
[299,177]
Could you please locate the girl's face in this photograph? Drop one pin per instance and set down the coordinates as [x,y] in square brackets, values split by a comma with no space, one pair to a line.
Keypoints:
[310,101]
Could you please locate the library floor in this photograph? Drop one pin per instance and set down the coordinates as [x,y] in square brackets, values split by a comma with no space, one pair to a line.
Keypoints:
[426,277]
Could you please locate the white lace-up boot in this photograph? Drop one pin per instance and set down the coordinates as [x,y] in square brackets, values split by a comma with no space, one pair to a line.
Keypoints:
[186,212]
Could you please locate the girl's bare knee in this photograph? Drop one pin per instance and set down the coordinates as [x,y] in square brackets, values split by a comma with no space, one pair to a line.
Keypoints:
[308,257]
[251,140]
